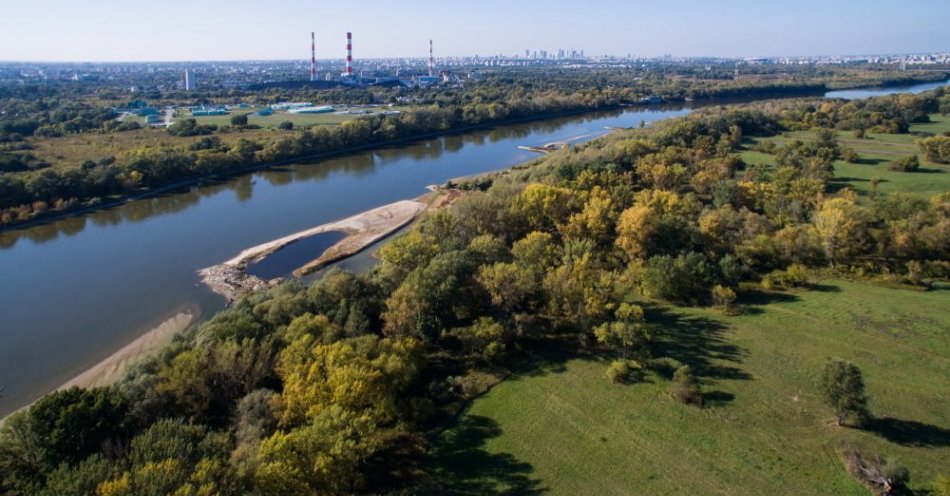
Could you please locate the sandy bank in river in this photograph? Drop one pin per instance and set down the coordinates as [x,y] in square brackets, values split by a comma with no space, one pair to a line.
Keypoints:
[111,369]
[230,280]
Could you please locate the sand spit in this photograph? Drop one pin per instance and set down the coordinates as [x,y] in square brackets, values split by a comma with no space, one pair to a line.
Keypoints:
[111,369]
[230,280]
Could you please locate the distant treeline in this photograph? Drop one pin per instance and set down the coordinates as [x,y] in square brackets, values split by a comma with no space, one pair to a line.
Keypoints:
[31,188]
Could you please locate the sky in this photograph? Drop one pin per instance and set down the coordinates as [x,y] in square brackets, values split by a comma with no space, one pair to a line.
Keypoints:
[197,30]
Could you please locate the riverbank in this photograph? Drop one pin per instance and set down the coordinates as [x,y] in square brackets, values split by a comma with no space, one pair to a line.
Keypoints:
[230,280]
[112,368]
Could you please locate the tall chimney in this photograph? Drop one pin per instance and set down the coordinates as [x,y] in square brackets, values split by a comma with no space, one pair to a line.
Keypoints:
[431,60]
[349,54]
[313,56]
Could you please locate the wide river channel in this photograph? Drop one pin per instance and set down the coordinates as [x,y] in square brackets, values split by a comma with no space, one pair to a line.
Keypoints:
[74,291]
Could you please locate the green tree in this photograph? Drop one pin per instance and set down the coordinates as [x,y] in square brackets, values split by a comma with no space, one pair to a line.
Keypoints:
[73,423]
[842,388]
[239,120]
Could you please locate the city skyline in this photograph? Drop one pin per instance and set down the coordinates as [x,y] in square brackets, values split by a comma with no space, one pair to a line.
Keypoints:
[59,31]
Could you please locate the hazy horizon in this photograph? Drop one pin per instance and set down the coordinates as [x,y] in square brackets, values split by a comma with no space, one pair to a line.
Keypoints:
[218,30]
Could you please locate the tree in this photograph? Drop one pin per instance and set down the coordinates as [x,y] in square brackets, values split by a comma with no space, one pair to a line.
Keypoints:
[842,388]
[239,120]
[508,284]
[840,223]
[73,423]
[635,230]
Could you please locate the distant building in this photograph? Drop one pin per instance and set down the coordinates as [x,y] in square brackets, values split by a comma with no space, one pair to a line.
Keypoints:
[191,82]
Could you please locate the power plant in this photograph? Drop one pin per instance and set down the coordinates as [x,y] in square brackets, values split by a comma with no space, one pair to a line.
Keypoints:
[348,72]
[411,75]
[313,56]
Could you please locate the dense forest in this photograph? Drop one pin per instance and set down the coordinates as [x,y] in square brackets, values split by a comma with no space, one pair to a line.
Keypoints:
[338,387]
[31,187]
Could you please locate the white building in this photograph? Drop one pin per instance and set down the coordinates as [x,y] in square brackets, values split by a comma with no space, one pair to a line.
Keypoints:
[191,82]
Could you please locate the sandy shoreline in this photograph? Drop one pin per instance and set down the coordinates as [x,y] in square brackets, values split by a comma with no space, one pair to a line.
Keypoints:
[231,281]
[112,368]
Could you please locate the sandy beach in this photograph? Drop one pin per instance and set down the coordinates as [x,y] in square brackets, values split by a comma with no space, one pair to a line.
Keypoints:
[112,368]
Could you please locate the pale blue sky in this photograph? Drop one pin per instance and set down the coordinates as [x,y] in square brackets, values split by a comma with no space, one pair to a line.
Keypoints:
[126,30]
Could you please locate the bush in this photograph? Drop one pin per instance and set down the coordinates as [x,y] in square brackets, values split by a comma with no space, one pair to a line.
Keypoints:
[907,164]
[618,372]
[724,299]
[849,155]
[286,125]
[936,149]
[685,387]
[795,276]
[941,486]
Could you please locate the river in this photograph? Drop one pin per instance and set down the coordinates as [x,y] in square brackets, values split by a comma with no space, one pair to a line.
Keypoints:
[76,290]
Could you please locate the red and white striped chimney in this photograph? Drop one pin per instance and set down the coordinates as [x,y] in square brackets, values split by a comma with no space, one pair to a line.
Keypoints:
[431,60]
[313,56]
[349,54]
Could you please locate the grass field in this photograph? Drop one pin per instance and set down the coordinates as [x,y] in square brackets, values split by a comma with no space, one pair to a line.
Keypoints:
[876,152]
[73,150]
[559,427]
[274,120]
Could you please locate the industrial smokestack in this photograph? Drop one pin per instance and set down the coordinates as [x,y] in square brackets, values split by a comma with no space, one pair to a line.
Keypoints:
[349,54]
[313,56]
[431,60]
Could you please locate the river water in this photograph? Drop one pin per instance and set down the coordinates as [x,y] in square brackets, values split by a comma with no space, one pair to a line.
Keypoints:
[76,290]
[890,90]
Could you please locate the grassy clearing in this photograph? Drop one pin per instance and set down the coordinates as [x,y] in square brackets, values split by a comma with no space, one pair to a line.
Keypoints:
[561,427]
[274,120]
[876,152]
[73,150]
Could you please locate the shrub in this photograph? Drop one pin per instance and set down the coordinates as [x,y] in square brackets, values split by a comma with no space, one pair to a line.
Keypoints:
[795,276]
[724,299]
[685,387]
[618,372]
[907,164]
[941,486]
[936,149]
[286,125]
[849,155]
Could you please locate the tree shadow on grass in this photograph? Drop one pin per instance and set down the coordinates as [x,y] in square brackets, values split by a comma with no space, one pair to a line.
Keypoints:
[461,465]
[700,343]
[910,432]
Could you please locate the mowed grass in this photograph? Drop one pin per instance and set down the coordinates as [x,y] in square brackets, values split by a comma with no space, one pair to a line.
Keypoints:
[876,153]
[559,427]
